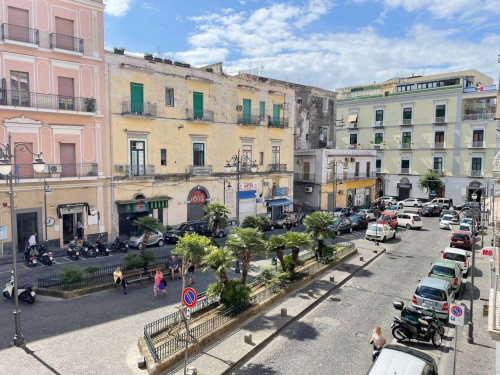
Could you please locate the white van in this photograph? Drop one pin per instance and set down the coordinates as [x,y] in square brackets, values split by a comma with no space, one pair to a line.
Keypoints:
[408,220]
[444,203]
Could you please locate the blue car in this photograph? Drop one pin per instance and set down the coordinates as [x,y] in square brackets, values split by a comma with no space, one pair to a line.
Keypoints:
[468,220]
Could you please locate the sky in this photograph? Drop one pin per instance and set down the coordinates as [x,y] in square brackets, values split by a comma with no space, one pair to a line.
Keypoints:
[324,43]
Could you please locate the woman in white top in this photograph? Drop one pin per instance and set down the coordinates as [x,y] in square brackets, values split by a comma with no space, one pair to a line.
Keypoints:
[378,341]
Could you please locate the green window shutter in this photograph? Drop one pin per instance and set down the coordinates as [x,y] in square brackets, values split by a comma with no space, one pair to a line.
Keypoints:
[276,114]
[407,114]
[379,115]
[262,109]
[379,138]
[405,164]
[247,108]
[198,105]
[440,110]
[136,97]
[406,138]
[378,163]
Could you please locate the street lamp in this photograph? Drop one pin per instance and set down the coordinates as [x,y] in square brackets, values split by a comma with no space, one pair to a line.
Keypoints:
[46,192]
[7,157]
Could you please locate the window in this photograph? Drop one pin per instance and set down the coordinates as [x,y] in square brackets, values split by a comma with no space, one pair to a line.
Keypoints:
[440,112]
[65,31]
[261,158]
[66,93]
[163,156]
[299,101]
[136,97]
[378,165]
[137,157]
[262,110]
[246,154]
[17,29]
[476,165]
[169,97]
[19,85]
[438,164]
[439,139]
[478,138]
[197,105]
[379,138]
[368,167]
[407,116]
[353,138]
[323,135]
[325,104]
[405,166]
[379,117]
[306,171]
[198,154]
[406,140]
[276,155]
[356,169]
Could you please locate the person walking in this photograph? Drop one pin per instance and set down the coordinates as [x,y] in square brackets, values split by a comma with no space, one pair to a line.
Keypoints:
[378,341]
[79,231]
[119,280]
[157,282]
[191,270]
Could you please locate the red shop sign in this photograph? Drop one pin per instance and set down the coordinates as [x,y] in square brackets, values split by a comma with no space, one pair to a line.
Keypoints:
[198,196]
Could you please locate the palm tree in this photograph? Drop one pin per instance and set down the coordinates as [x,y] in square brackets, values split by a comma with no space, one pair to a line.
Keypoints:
[246,242]
[276,244]
[296,240]
[218,259]
[317,227]
[259,222]
[148,224]
[217,215]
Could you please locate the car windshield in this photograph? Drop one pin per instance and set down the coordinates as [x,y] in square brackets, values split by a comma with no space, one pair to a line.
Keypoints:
[385,217]
[393,208]
[447,217]
[416,218]
[375,228]
[464,227]
[431,293]
[184,227]
[459,236]
[455,257]
[466,220]
[354,218]
[443,271]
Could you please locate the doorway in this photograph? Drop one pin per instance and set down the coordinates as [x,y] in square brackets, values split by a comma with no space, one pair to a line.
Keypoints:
[69,225]
[68,159]
[26,226]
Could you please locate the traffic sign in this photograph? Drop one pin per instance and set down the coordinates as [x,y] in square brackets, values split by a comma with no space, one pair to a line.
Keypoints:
[433,192]
[189,297]
[457,314]
[188,313]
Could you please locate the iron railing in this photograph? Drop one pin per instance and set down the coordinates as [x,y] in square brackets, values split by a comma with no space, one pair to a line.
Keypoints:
[20,34]
[22,171]
[478,116]
[475,173]
[46,101]
[438,145]
[202,115]
[249,120]
[407,121]
[477,144]
[279,191]
[405,146]
[439,120]
[140,170]
[275,122]
[139,109]
[66,42]
[405,171]
[277,167]
[351,176]
[200,170]
[439,172]
[302,176]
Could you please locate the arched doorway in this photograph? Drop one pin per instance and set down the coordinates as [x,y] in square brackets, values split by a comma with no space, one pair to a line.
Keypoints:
[197,199]
[404,188]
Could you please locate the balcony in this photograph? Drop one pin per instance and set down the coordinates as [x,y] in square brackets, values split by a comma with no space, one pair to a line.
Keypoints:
[379,170]
[249,120]
[407,121]
[438,145]
[496,166]
[478,116]
[475,173]
[139,109]
[139,170]
[439,172]
[477,144]
[278,122]
[25,171]
[405,146]
[377,146]
[405,171]
[200,170]
[20,34]
[352,176]
[277,167]
[278,192]
[199,115]
[302,176]
[440,120]
[353,125]
[46,101]
[66,43]
[379,123]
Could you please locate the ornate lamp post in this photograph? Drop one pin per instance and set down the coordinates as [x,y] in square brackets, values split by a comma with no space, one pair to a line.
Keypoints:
[7,158]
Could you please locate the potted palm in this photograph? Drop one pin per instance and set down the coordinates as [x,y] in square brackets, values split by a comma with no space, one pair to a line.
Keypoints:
[148,56]
[119,50]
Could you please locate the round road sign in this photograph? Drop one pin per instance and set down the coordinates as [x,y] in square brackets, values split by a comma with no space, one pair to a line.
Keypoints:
[189,297]
[457,311]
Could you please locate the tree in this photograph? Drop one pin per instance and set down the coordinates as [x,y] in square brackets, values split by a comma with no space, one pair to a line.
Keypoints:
[276,244]
[217,215]
[296,240]
[148,224]
[317,227]
[430,181]
[218,259]
[246,242]
[258,222]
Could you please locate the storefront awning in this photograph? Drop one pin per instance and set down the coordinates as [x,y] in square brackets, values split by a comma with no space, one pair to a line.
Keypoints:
[71,206]
[144,205]
[279,202]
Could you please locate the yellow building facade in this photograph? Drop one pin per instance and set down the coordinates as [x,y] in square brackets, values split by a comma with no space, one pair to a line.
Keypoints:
[174,128]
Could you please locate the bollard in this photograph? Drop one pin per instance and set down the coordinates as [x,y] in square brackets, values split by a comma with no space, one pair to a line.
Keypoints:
[361,259]
[192,371]
[310,293]
[332,279]
[248,338]
[141,362]
[375,251]
[283,312]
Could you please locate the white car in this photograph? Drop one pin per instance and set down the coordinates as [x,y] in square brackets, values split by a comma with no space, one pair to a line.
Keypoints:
[459,256]
[465,227]
[410,202]
[394,208]
[370,214]
[399,359]
[380,232]
[387,200]
[410,221]
[446,220]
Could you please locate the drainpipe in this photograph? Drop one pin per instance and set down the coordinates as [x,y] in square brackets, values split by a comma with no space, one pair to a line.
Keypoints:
[111,194]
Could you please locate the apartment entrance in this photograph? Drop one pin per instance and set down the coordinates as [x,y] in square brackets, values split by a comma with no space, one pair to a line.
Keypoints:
[26,226]
[69,223]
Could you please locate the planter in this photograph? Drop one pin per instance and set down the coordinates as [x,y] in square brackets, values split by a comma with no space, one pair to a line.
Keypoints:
[148,56]
[178,63]
[158,59]
[167,61]
[119,51]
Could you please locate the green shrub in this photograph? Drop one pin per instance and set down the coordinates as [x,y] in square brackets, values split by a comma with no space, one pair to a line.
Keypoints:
[141,260]
[235,294]
[280,278]
[265,273]
[327,254]
[92,269]
[215,288]
[72,274]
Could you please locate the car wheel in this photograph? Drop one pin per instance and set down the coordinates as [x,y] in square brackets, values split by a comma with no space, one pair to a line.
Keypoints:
[221,234]
[6,295]
[350,230]
[383,239]
[139,246]
[415,205]
[466,274]
[408,226]
[272,227]
[160,243]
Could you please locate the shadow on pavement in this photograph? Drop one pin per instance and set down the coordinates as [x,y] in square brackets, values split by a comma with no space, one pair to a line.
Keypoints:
[255,368]
[32,353]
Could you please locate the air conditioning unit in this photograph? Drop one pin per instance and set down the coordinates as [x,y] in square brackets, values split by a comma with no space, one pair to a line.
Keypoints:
[52,168]
[120,168]
[377,146]
[309,189]
[341,192]
[353,124]
[379,123]
[239,108]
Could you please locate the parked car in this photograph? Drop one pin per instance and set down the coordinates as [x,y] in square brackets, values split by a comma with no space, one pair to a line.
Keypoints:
[387,200]
[341,225]
[368,212]
[459,256]
[434,292]
[465,227]
[394,208]
[430,210]
[410,202]
[449,212]
[198,226]
[469,205]
[388,218]
[468,220]
[461,240]
[359,222]
[342,212]
[450,271]
[155,238]
[446,220]
[231,223]
[380,232]
[399,359]
[443,203]
[286,218]
[408,220]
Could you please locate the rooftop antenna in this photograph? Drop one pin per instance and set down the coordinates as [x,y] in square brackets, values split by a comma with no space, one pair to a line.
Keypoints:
[159,52]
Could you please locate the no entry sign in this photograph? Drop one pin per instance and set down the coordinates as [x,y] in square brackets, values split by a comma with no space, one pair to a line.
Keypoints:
[189,297]
[457,314]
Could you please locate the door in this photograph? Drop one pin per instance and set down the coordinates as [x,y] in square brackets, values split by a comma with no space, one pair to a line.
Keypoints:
[26,226]
[65,32]
[306,167]
[137,158]
[404,193]
[276,114]
[18,24]
[247,208]
[197,105]
[19,86]
[247,104]
[136,98]
[68,159]
[24,162]
[66,93]
[69,225]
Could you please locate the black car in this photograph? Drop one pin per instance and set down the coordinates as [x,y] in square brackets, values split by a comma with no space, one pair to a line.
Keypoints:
[341,225]
[200,227]
[468,205]
[358,222]
[430,211]
[448,212]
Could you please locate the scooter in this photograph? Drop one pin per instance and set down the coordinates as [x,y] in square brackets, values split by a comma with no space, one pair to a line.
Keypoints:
[414,314]
[44,256]
[30,256]
[118,245]
[88,250]
[73,251]
[100,247]
[24,293]
[408,329]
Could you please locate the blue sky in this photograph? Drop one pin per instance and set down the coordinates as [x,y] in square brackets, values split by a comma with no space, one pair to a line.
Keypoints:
[325,43]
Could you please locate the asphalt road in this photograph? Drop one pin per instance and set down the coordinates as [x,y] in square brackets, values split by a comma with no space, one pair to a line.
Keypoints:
[333,338]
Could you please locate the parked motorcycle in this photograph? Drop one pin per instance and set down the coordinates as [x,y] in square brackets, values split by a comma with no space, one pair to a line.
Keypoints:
[44,256]
[73,251]
[88,250]
[414,314]
[118,245]
[100,247]
[408,329]
[24,293]
[30,255]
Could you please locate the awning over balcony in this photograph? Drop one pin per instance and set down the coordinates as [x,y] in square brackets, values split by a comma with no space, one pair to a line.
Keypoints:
[353,117]
[143,205]
[278,202]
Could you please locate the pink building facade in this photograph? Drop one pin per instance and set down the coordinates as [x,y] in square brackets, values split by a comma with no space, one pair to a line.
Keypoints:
[53,98]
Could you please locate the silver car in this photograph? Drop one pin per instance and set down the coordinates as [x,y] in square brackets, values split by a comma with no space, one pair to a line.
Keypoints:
[231,223]
[155,238]
[433,292]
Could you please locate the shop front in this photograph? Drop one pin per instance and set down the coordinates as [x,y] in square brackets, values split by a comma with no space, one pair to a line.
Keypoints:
[276,207]
[71,214]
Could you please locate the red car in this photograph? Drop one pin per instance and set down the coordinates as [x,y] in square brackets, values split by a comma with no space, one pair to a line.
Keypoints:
[388,218]
[461,239]
[430,211]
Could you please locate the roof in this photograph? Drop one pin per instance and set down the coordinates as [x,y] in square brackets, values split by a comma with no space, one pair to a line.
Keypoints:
[455,250]
[444,262]
[393,360]
[434,283]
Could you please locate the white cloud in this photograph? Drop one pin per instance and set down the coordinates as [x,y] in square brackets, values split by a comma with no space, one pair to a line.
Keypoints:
[117,8]
[201,56]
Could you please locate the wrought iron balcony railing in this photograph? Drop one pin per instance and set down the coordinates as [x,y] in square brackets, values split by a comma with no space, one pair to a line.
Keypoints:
[24,171]
[46,101]
[279,192]
[439,172]
[202,115]
[277,167]
[439,120]
[278,122]
[351,176]
[477,144]
[438,145]
[475,173]
[405,146]
[140,170]
[20,34]
[249,120]
[407,121]
[405,170]
[139,109]
[478,116]
[66,42]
